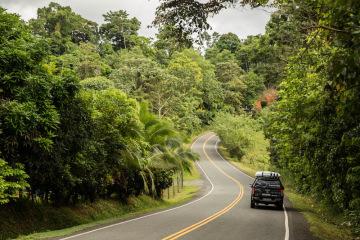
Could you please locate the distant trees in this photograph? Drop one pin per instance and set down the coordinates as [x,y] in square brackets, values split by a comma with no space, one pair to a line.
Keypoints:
[60,24]
[119,30]
[246,140]
[168,43]
[240,87]
[84,59]
[189,18]
[231,76]
[228,41]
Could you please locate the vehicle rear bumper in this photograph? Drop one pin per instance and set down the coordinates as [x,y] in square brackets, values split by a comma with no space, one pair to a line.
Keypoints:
[267,200]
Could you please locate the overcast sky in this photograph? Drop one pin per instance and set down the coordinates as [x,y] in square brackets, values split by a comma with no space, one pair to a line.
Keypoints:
[242,21]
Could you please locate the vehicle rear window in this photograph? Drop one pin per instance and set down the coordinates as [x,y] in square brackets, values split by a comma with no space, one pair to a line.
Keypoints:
[267,182]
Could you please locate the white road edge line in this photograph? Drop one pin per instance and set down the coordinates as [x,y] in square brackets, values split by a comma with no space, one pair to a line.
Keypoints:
[284,208]
[286,224]
[157,213]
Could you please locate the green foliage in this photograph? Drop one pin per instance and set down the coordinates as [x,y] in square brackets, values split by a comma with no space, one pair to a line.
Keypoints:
[267,55]
[189,18]
[60,24]
[243,137]
[119,30]
[27,113]
[135,74]
[97,83]
[168,153]
[254,85]
[320,95]
[82,140]
[240,88]
[85,60]
[229,41]
[215,55]
[12,180]
[172,92]
[194,72]
[168,43]
[212,100]
[231,77]
[186,66]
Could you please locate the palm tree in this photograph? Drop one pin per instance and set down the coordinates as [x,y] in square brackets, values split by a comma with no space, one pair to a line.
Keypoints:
[166,147]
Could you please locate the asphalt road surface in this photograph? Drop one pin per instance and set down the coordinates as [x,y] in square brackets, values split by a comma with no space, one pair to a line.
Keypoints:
[221,212]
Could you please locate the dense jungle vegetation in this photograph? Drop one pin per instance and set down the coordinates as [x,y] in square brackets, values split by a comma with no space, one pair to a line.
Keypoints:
[92,111]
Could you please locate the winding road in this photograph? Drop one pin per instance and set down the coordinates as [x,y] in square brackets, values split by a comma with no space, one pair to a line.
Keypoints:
[222,212]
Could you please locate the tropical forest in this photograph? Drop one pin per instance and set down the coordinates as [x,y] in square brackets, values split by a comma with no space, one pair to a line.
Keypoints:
[97,121]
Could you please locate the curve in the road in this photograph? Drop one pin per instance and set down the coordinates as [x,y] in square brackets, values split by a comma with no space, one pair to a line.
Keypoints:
[285,212]
[217,214]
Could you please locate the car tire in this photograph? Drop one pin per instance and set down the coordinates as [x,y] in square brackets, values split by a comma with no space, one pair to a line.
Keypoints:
[252,204]
[280,205]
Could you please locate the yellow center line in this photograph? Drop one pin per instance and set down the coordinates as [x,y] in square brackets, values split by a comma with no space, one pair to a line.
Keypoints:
[217,214]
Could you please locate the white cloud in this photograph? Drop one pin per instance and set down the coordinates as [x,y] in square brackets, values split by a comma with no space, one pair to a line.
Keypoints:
[242,21]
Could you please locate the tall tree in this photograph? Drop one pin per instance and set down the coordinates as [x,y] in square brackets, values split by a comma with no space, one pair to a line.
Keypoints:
[119,29]
[61,25]
[229,41]
[189,17]
[27,114]
[167,41]
[231,76]
[84,59]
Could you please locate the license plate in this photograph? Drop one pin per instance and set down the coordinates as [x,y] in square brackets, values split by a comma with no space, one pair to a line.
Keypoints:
[266,199]
[266,195]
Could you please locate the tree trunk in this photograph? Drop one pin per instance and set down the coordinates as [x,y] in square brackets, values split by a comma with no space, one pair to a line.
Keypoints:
[178,183]
[173,185]
[182,179]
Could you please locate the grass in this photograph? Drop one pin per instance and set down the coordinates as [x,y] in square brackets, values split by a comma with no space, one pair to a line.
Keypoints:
[324,224]
[249,169]
[86,216]
[28,221]
[105,212]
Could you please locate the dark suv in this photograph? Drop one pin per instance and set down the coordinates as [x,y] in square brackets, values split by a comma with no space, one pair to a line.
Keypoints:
[267,189]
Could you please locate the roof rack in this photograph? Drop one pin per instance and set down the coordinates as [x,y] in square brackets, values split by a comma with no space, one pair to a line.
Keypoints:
[267,174]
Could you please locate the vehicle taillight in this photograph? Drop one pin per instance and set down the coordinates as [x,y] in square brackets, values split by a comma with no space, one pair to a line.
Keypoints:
[252,190]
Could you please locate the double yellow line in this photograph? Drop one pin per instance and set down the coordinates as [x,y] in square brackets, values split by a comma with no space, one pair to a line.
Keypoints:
[217,214]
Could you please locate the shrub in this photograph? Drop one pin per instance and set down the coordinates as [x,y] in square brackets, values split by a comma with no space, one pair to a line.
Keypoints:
[243,137]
